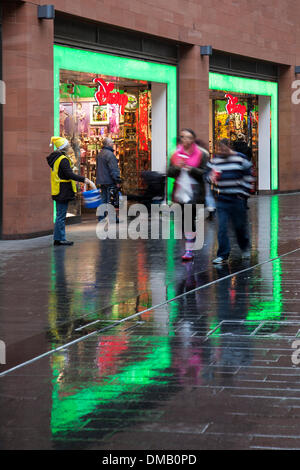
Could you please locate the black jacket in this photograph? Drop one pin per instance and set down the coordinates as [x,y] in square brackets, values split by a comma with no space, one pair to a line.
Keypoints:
[107,167]
[242,147]
[64,172]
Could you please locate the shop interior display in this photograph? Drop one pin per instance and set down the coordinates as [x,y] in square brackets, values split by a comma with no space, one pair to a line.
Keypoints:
[85,124]
[224,124]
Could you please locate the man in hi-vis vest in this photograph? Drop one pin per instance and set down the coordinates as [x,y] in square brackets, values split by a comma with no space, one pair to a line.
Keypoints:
[63,186]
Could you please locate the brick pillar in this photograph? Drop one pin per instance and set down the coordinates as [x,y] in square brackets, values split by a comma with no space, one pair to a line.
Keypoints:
[289,139]
[27,121]
[194,91]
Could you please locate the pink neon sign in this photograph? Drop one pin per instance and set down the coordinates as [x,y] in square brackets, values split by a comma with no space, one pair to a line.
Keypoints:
[104,95]
[232,106]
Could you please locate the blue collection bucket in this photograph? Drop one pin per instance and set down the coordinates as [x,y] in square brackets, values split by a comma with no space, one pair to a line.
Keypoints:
[92,198]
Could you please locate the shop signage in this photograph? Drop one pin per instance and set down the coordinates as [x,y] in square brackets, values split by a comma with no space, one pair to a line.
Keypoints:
[104,95]
[233,106]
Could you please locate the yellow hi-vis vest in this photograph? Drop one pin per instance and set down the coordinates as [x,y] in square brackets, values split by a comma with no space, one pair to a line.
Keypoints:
[55,180]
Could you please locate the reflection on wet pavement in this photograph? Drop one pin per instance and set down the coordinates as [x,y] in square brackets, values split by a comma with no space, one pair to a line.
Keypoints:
[146,352]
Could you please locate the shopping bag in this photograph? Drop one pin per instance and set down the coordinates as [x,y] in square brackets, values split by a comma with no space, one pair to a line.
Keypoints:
[184,191]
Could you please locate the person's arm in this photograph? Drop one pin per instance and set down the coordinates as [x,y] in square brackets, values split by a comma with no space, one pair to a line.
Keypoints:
[173,171]
[199,172]
[248,174]
[67,173]
[113,168]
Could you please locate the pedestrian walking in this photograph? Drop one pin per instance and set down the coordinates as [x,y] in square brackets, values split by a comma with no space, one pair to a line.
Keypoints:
[231,174]
[63,185]
[210,202]
[240,145]
[108,176]
[188,165]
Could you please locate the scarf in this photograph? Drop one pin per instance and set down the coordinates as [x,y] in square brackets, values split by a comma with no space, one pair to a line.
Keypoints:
[193,159]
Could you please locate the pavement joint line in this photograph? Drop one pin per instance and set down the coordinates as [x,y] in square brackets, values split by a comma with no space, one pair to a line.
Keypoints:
[82,338]
[196,289]
[258,328]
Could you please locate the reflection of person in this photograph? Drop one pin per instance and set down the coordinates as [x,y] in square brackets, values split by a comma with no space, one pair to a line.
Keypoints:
[108,174]
[210,203]
[231,175]
[192,358]
[188,162]
[231,295]
[63,186]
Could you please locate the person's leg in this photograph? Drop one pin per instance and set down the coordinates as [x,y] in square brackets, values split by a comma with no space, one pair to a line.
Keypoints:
[60,221]
[190,237]
[223,209]
[105,198]
[114,200]
[240,224]
[210,202]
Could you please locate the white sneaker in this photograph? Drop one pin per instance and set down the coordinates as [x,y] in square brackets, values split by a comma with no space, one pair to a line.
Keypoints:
[219,260]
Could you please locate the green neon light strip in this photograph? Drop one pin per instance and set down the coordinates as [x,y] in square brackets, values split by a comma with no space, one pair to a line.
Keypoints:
[104,64]
[271,310]
[69,411]
[219,81]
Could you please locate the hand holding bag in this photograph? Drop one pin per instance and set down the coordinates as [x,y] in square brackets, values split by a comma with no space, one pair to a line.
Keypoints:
[184,191]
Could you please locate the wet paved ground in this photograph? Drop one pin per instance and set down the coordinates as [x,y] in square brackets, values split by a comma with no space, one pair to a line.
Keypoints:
[135,350]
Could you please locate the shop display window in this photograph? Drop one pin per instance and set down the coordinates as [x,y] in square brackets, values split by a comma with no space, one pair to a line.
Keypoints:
[230,121]
[126,118]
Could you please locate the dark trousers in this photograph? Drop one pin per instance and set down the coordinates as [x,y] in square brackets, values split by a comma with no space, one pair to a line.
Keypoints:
[109,195]
[236,211]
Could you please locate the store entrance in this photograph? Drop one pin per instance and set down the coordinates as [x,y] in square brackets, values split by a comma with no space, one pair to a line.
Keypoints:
[235,116]
[126,117]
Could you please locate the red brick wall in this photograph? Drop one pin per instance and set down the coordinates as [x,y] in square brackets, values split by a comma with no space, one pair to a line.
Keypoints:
[267,30]
[193,91]
[28,120]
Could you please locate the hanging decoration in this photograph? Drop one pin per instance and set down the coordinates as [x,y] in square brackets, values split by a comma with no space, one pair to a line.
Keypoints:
[143,122]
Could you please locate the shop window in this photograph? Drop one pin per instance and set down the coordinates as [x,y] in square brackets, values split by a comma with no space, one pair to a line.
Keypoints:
[85,123]
[235,124]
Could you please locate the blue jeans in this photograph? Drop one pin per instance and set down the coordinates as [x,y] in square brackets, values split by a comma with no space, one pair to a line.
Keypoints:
[209,198]
[236,211]
[60,222]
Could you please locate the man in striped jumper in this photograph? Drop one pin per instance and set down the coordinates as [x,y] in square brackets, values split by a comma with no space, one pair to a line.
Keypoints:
[231,175]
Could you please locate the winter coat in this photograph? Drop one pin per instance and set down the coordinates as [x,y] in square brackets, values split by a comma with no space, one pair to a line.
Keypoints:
[107,167]
[242,147]
[65,173]
[195,172]
[235,176]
